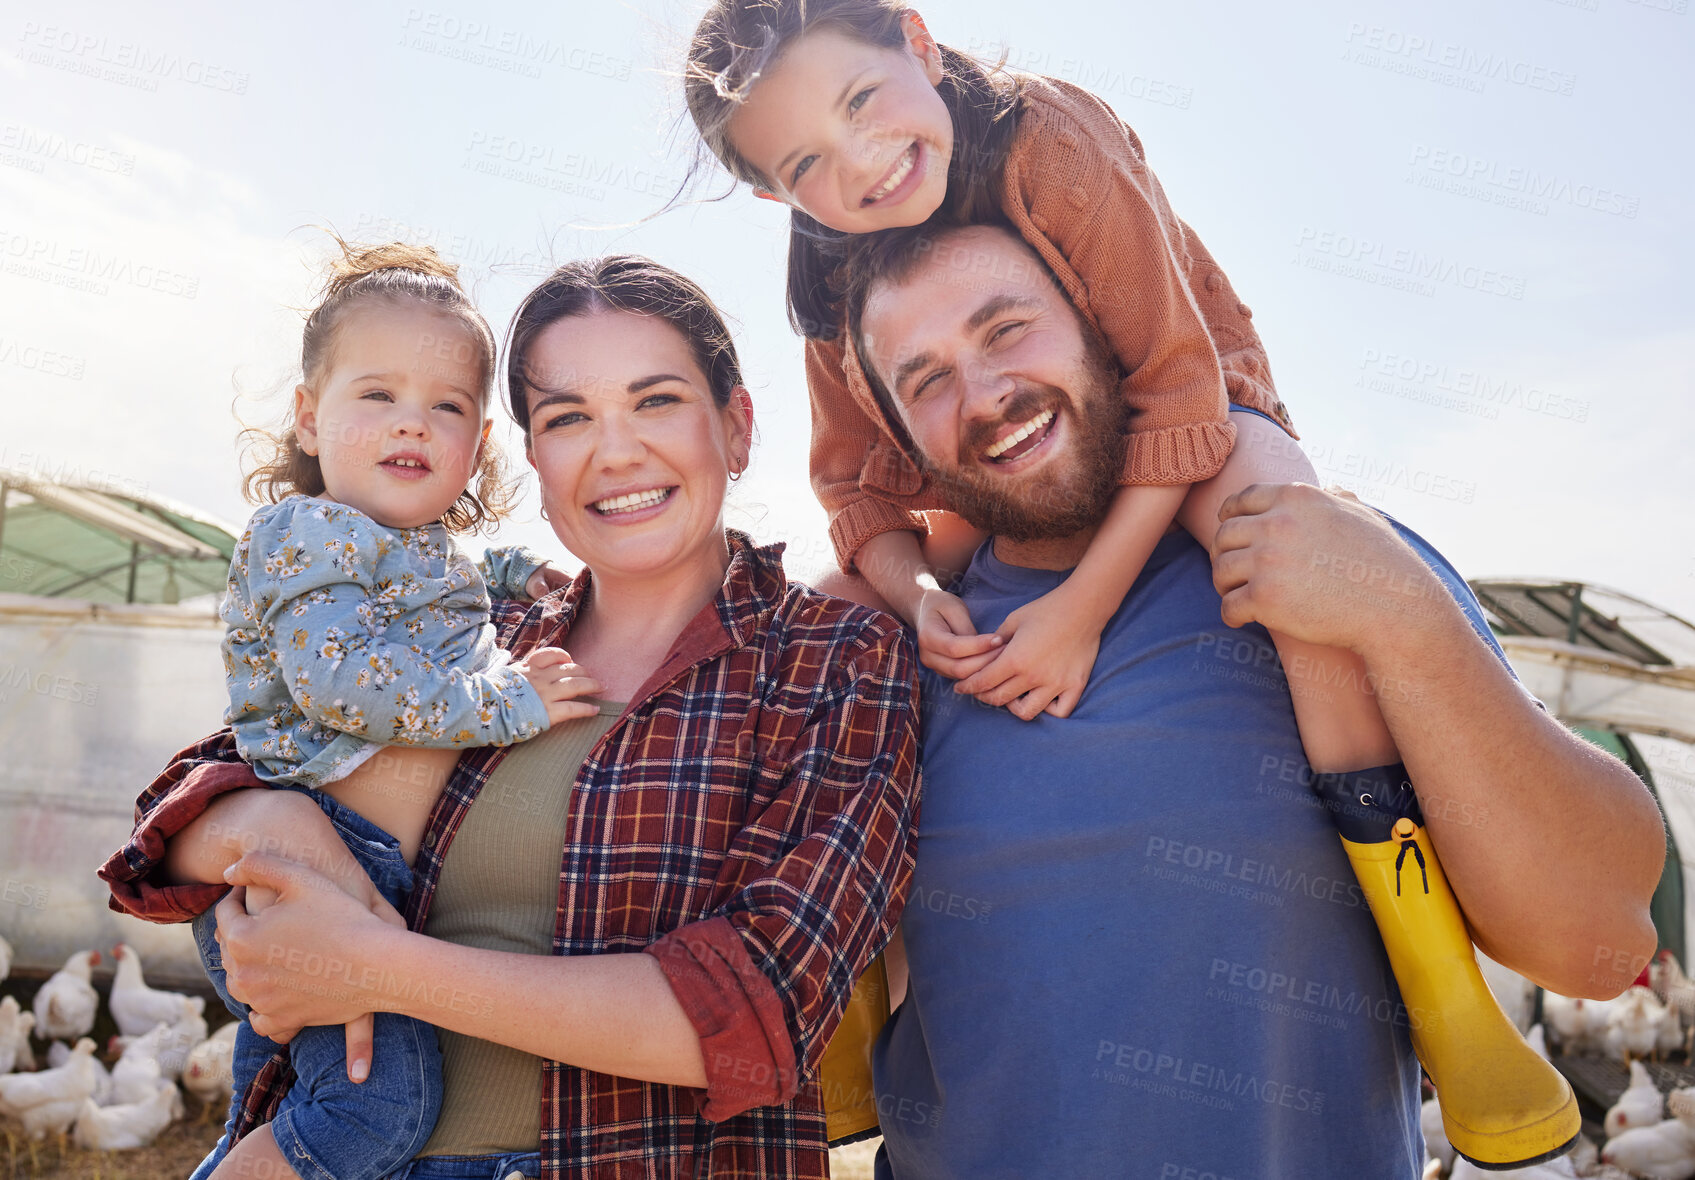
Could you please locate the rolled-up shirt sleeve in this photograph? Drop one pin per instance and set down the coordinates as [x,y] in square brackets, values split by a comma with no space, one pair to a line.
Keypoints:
[194,777]
[766,977]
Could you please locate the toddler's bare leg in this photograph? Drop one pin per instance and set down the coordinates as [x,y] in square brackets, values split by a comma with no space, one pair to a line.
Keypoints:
[1335,706]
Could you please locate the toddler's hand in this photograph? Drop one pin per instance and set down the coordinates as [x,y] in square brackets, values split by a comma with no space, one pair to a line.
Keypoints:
[947,639]
[559,682]
[1046,662]
[545,581]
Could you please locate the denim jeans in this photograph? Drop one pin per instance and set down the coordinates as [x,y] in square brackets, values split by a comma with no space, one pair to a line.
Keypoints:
[329,1128]
[472,1167]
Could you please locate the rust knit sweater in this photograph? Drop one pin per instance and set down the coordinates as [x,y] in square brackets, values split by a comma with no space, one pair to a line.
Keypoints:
[1078,190]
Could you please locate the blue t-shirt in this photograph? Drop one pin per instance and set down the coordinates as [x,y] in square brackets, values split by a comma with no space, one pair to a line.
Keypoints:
[1137,948]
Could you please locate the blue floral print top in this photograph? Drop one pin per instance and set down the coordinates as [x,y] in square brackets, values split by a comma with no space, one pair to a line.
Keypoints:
[345,636]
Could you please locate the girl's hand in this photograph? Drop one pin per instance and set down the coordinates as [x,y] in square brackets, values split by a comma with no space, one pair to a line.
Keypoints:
[560,682]
[947,639]
[545,581]
[1046,663]
[307,959]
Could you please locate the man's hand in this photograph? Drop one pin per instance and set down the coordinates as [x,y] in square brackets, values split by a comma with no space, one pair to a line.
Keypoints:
[1045,666]
[1318,566]
[947,639]
[545,581]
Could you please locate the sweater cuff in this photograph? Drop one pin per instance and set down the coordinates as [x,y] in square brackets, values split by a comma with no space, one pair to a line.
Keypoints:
[1180,454]
[857,522]
[131,871]
[744,1038]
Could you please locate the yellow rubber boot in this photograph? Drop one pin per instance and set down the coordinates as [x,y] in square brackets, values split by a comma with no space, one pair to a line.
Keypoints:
[1503,1106]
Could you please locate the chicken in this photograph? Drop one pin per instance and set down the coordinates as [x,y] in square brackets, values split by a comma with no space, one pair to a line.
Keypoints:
[185,1033]
[208,1074]
[137,1007]
[129,1125]
[1436,1144]
[5,959]
[15,1026]
[49,1100]
[138,1073]
[1639,1106]
[66,1003]
[1665,1151]
[1633,1025]
[1578,1026]
[1675,990]
[1680,1105]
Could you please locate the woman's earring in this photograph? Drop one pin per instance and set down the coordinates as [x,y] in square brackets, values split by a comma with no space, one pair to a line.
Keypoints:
[736,470]
[544,514]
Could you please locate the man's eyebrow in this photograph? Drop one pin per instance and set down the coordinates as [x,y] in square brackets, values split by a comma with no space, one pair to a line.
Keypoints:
[782,165]
[1000,303]
[1008,301]
[910,366]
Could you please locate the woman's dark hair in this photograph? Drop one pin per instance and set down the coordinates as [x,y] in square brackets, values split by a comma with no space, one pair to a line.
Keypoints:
[621,282]
[737,40]
[394,273]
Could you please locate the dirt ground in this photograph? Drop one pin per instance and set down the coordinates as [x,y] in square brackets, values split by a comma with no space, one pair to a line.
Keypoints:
[174,1155]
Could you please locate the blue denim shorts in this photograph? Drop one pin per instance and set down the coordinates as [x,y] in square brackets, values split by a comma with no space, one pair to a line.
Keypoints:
[329,1128]
[472,1167]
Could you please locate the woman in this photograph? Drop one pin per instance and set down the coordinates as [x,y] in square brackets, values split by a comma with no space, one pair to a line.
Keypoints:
[735,828]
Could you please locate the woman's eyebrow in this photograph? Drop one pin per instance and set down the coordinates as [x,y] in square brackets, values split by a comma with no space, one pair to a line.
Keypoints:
[656,379]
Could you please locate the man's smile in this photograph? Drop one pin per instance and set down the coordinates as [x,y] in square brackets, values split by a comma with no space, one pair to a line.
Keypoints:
[1021,442]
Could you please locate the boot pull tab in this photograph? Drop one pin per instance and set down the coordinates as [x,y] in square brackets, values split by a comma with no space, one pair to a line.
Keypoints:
[1404,832]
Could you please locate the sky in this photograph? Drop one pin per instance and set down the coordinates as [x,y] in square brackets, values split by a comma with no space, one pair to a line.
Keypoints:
[1462,228]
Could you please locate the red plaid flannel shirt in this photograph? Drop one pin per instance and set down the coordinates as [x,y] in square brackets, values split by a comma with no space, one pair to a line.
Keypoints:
[749,821]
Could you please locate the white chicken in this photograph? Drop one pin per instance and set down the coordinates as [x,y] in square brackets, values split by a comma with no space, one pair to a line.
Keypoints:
[129,1125]
[1680,1105]
[138,1073]
[1436,1144]
[48,1101]
[1633,1025]
[1675,990]
[208,1074]
[15,1026]
[188,1031]
[5,959]
[1665,1151]
[1579,1025]
[137,1007]
[66,1003]
[1639,1106]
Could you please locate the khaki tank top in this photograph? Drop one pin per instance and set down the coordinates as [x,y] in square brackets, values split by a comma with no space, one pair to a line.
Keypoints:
[499,890]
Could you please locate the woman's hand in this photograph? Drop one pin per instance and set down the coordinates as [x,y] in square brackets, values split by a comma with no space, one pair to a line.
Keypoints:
[310,958]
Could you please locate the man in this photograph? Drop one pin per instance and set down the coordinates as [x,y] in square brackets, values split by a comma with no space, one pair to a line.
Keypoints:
[1135,945]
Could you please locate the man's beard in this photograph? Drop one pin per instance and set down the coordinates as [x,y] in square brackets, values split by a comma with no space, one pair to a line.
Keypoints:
[1067,503]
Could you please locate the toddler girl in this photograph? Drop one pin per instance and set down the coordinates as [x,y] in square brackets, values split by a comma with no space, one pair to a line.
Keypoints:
[360,659]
